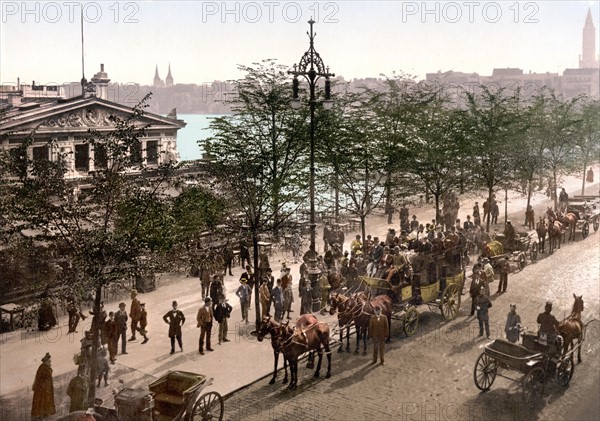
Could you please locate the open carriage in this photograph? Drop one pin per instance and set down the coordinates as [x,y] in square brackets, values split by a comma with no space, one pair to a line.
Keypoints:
[537,360]
[176,396]
[587,211]
[516,254]
[436,282]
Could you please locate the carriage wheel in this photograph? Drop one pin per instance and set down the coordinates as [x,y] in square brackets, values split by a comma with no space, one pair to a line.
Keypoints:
[565,371]
[533,385]
[533,253]
[208,407]
[521,261]
[484,372]
[411,321]
[596,224]
[585,229]
[450,301]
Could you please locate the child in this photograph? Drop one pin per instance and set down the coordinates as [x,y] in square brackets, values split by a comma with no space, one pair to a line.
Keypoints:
[102,366]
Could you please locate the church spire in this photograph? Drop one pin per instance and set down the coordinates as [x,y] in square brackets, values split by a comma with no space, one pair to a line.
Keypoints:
[588,59]
[169,79]
[157,80]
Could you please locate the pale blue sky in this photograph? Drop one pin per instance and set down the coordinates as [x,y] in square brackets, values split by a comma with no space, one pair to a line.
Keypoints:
[204,42]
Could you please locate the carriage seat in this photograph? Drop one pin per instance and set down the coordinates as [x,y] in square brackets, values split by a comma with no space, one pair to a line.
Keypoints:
[171,391]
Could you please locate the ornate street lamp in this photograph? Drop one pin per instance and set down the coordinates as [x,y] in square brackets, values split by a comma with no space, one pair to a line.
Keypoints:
[312,68]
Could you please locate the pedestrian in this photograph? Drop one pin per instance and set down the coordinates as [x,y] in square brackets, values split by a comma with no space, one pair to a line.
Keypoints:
[475,287]
[504,267]
[243,292]
[43,391]
[378,331]
[277,299]
[112,336]
[228,258]
[486,210]
[205,318]
[468,224]
[222,313]
[288,299]
[175,319]
[244,253]
[483,304]
[530,217]
[295,243]
[563,200]
[305,297]
[488,270]
[414,224]
[134,313]
[495,212]
[248,277]
[215,290]
[77,391]
[46,316]
[75,314]
[513,325]
[476,215]
[265,298]
[324,288]
[98,321]
[121,321]
[102,366]
[143,323]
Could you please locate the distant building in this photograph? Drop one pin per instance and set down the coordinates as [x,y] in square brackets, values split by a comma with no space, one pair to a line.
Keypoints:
[157,80]
[44,113]
[169,79]
[588,58]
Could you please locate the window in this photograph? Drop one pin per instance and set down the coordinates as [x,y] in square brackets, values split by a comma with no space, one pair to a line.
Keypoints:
[40,153]
[100,156]
[82,157]
[152,152]
[136,153]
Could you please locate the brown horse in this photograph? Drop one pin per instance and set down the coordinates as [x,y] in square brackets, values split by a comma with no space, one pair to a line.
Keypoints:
[269,326]
[340,303]
[336,280]
[308,335]
[572,327]
[555,234]
[569,220]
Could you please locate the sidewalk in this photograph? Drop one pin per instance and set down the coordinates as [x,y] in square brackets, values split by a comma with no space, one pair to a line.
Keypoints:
[231,364]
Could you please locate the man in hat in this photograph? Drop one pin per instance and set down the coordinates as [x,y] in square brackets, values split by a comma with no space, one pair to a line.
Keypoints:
[356,244]
[509,236]
[288,299]
[43,391]
[248,278]
[468,224]
[77,390]
[264,297]
[215,290]
[205,320]
[74,314]
[222,313]
[121,321]
[277,298]
[98,321]
[476,215]
[295,243]
[513,325]
[414,224]
[175,319]
[483,304]
[305,296]
[504,267]
[378,331]
[134,312]
[547,322]
[244,294]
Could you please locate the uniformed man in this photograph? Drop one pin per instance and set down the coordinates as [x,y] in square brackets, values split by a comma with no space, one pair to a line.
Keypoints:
[482,304]
[135,312]
[547,322]
[378,331]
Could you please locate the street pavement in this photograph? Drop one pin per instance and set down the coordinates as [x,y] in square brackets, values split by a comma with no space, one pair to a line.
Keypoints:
[242,361]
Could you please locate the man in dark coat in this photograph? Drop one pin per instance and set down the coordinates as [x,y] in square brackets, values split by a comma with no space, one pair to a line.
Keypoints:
[378,331]
[205,318]
[512,329]
[112,336]
[483,304]
[121,321]
[215,290]
[74,314]
[134,312]
[77,391]
[504,267]
[228,258]
[175,319]
[547,323]
[222,313]
[43,391]
[244,253]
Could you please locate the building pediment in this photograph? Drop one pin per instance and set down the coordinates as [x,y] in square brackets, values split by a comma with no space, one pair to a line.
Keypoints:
[78,116]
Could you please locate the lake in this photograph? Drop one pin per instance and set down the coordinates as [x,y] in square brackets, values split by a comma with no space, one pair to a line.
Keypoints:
[196,129]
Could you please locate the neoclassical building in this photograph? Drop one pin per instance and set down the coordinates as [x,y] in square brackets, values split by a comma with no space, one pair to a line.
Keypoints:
[44,112]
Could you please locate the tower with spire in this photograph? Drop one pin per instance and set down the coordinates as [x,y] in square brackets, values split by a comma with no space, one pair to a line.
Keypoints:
[169,79]
[588,58]
[157,80]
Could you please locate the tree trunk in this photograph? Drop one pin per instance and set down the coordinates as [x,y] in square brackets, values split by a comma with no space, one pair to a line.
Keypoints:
[529,188]
[258,275]
[554,188]
[388,199]
[95,340]
[583,182]
[337,199]
[489,215]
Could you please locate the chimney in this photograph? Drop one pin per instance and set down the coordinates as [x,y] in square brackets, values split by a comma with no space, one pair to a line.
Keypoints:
[101,80]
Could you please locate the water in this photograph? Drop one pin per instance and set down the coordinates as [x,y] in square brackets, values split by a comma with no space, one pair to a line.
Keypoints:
[196,129]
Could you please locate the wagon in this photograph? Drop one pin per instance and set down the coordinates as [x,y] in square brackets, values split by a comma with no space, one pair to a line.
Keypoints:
[176,396]
[587,210]
[438,286]
[495,251]
[536,360]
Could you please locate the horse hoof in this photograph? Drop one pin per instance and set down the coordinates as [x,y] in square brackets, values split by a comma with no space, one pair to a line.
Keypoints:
[328,375]
[317,375]
[272,381]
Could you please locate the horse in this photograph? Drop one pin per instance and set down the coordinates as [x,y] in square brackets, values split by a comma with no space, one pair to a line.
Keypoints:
[362,310]
[569,220]
[572,327]
[308,335]
[271,327]
[555,233]
[541,229]
[336,280]
[340,303]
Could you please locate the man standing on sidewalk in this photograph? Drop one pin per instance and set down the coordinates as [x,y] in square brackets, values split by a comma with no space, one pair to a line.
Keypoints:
[175,320]
[378,331]
[244,294]
[483,304]
[143,323]
[504,266]
[135,312]
[205,320]
[222,313]
[121,321]
[112,336]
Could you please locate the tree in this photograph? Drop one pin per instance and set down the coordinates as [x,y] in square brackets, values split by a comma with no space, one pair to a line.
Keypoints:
[587,140]
[95,232]
[258,153]
[491,121]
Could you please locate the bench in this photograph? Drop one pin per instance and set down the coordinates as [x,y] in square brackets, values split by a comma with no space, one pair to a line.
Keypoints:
[172,390]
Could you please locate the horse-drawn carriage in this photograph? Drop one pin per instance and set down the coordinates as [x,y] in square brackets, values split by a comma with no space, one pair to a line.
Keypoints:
[587,211]
[437,281]
[176,396]
[515,253]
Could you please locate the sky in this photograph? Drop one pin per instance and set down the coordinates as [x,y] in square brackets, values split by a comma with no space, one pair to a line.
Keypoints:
[205,41]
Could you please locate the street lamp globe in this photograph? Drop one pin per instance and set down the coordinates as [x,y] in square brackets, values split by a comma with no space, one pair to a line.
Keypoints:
[328,104]
[295,104]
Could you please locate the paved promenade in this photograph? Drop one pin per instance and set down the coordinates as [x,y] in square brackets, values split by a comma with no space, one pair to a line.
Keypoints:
[243,360]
